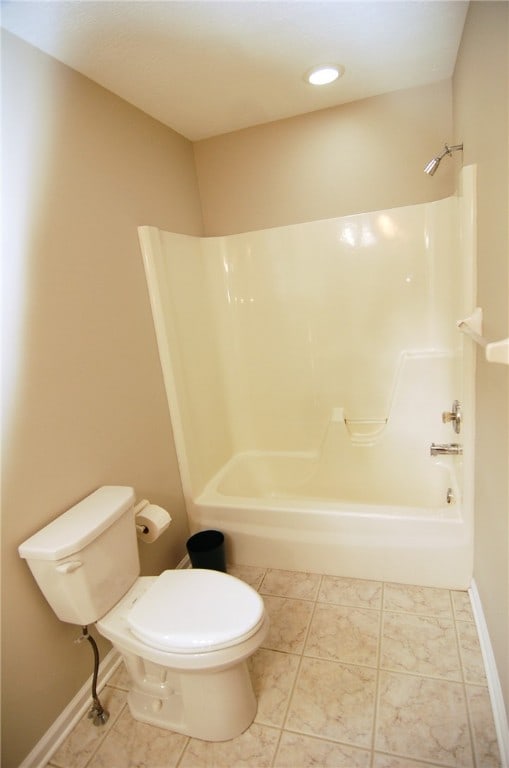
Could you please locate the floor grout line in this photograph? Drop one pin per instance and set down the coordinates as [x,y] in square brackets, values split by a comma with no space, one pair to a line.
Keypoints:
[377,684]
[183,752]
[464,681]
[292,691]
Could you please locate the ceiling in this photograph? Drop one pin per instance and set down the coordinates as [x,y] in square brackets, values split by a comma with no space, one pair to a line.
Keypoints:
[204,67]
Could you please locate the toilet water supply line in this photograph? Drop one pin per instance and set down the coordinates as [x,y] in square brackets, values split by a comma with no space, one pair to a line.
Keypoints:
[97,713]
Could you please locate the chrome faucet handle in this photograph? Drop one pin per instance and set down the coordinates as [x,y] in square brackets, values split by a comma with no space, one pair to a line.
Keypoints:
[453,416]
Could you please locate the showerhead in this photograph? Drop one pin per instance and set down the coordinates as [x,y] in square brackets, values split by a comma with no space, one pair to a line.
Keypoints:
[433,164]
[431,167]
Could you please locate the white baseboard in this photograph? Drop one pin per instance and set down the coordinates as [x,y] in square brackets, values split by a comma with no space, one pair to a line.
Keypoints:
[184,563]
[72,714]
[495,689]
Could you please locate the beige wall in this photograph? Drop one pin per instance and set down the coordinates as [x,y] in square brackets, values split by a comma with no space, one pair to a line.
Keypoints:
[480,88]
[84,403]
[363,156]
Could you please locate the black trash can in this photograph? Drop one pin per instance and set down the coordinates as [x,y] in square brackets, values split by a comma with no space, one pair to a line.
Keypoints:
[206,550]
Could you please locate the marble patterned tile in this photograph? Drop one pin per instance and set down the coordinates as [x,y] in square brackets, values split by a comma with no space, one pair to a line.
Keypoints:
[84,739]
[356,592]
[303,586]
[426,601]
[248,573]
[462,606]
[138,745]
[422,645]
[273,674]
[335,701]
[289,622]
[485,736]
[343,633]
[297,751]
[255,747]
[423,719]
[470,652]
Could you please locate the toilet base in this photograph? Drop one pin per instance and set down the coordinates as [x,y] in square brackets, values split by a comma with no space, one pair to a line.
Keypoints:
[215,705]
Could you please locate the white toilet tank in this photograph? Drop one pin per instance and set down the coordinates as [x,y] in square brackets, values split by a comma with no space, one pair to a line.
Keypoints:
[86,559]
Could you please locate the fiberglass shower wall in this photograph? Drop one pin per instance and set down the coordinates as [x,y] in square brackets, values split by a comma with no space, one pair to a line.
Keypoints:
[314,319]
[273,335]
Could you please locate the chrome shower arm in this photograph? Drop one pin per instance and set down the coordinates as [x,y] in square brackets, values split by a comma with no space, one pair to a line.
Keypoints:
[449,150]
[433,164]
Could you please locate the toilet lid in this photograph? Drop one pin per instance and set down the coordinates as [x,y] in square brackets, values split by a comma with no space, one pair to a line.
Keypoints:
[196,610]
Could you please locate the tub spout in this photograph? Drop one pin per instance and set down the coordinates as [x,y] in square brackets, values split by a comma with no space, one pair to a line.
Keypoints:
[449,449]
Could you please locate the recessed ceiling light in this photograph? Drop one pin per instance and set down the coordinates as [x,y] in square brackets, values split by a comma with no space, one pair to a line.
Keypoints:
[324,75]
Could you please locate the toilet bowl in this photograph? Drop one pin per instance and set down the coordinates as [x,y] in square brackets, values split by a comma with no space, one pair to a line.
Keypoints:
[185,636]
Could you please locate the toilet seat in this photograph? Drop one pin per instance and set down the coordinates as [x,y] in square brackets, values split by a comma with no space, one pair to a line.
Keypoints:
[195,611]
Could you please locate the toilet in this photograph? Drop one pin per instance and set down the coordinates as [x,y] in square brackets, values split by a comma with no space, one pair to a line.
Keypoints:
[185,636]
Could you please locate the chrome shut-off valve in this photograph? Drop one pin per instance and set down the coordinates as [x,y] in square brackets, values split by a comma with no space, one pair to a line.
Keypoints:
[454,416]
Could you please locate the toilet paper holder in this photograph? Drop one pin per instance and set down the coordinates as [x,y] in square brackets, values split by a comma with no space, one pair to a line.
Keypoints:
[141,528]
[150,521]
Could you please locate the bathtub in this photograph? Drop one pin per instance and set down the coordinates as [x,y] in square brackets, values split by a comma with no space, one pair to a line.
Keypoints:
[369,502]
[282,511]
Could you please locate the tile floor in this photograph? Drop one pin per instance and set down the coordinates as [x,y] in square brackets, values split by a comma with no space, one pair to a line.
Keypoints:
[353,674]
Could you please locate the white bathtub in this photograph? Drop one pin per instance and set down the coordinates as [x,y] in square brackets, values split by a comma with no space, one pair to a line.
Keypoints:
[278,510]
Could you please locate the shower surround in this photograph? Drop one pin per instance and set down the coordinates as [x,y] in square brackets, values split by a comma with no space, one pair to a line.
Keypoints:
[307,368]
